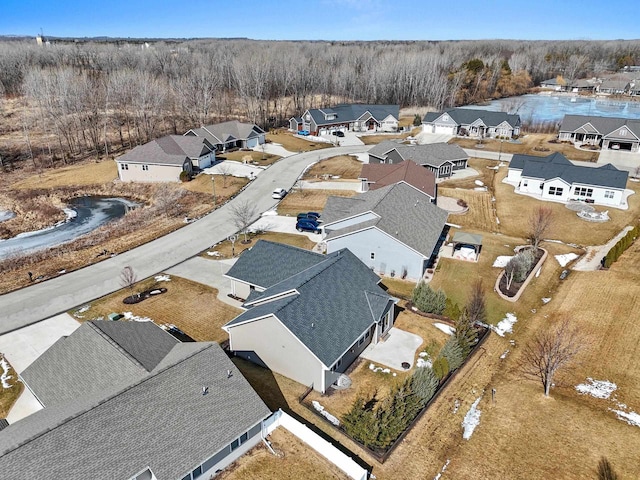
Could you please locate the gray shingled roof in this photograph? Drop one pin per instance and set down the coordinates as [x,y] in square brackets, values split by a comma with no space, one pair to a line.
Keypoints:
[603,125]
[466,116]
[557,166]
[97,356]
[351,112]
[227,131]
[432,154]
[337,300]
[168,150]
[404,213]
[268,263]
[162,422]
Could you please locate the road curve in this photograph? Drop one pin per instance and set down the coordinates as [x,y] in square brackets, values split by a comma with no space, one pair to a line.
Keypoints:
[43,300]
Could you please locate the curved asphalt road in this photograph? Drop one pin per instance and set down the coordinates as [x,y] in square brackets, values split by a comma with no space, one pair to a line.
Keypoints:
[43,300]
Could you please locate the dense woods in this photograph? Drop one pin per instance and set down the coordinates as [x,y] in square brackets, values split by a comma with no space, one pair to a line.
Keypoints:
[87,98]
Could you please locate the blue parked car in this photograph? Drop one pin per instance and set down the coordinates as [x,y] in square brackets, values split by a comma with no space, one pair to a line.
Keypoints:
[309,216]
[307,225]
[304,133]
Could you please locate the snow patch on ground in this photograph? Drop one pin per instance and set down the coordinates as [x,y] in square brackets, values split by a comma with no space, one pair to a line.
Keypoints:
[162,278]
[374,368]
[444,467]
[597,388]
[505,325]
[320,409]
[134,318]
[235,169]
[632,418]
[546,300]
[424,360]
[502,261]
[214,254]
[70,213]
[564,260]
[5,377]
[538,272]
[78,313]
[504,355]
[445,328]
[471,419]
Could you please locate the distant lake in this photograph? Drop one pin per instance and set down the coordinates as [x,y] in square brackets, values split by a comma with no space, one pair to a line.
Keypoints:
[552,108]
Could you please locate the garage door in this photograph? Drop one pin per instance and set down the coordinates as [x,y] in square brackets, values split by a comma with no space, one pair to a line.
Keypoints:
[447,130]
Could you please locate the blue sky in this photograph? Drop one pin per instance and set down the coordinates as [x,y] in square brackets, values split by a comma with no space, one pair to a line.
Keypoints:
[321,19]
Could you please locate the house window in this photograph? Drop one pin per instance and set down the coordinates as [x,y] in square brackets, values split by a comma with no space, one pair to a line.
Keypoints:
[197,472]
[608,194]
[555,191]
[124,166]
[360,341]
[187,477]
[366,335]
[244,437]
[145,168]
[583,192]
[235,444]
[373,255]
[525,183]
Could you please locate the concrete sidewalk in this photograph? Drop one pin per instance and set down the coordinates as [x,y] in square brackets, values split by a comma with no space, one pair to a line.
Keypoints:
[592,259]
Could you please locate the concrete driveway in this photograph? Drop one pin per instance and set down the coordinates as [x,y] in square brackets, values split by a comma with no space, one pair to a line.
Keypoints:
[282,224]
[424,138]
[46,299]
[623,160]
[210,273]
[399,347]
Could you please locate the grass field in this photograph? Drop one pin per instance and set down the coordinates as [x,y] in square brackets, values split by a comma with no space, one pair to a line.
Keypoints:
[295,460]
[85,174]
[225,248]
[294,144]
[531,144]
[375,139]
[480,216]
[225,188]
[485,175]
[191,306]
[253,156]
[8,396]
[345,166]
[309,200]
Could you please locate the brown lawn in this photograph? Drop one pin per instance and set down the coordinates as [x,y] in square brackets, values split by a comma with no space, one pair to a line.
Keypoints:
[481,214]
[485,175]
[77,175]
[309,200]
[344,166]
[375,139]
[398,287]
[225,187]
[256,157]
[8,396]
[225,248]
[295,460]
[294,144]
[192,307]
[531,144]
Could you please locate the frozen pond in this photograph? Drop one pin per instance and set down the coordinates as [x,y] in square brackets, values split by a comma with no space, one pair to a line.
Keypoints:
[83,215]
[552,108]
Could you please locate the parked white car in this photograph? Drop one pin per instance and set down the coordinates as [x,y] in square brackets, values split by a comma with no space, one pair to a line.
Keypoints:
[279,193]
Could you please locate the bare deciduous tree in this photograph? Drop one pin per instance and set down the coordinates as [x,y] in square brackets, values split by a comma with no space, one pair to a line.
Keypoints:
[552,350]
[225,170]
[540,222]
[476,307]
[243,215]
[128,278]
[166,199]
[512,269]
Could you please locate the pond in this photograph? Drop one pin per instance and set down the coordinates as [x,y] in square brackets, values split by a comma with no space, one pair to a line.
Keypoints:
[544,108]
[84,214]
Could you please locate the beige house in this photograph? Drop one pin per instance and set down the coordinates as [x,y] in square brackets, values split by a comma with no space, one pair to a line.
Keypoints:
[163,159]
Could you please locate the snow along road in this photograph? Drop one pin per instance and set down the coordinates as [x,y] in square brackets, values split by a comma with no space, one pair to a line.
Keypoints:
[43,300]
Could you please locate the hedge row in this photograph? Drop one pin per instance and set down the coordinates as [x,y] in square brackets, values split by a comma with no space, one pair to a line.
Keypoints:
[620,247]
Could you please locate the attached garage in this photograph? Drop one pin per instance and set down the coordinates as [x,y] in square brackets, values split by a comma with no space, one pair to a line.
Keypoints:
[444,129]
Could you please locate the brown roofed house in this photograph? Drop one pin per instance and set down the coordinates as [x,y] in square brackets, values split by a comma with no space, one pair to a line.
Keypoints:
[378,175]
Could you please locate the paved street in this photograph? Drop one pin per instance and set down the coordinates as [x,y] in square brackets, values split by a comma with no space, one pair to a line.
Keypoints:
[37,302]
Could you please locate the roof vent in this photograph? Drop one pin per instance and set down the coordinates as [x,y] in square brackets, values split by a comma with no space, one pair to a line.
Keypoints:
[313,325]
[205,390]
[229,374]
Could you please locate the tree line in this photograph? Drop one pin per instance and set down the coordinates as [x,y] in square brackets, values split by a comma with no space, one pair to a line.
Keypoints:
[95,98]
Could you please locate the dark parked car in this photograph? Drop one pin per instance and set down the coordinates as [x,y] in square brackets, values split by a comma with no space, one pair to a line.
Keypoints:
[338,133]
[313,214]
[309,216]
[308,225]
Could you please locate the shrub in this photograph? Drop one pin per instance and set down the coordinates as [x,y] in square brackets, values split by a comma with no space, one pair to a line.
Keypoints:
[360,421]
[428,300]
[417,120]
[462,203]
[425,383]
[465,335]
[453,353]
[185,176]
[440,367]
[451,310]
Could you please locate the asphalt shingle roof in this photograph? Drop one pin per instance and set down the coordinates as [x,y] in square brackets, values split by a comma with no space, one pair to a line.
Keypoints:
[169,150]
[383,174]
[336,301]
[403,213]
[227,131]
[466,116]
[602,125]
[351,112]
[95,357]
[163,422]
[557,166]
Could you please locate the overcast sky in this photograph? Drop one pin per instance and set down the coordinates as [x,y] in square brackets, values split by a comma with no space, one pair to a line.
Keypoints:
[324,19]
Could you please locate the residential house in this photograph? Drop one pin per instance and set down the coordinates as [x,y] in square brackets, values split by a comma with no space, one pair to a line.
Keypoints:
[187,417]
[442,159]
[473,123]
[556,84]
[555,178]
[347,117]
[163,159]
[378,175]
[230,135]
[308,316]
[608,132]
[394,230]
[613,86]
